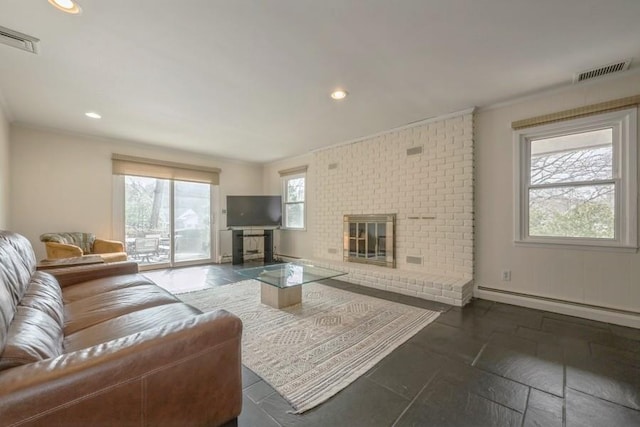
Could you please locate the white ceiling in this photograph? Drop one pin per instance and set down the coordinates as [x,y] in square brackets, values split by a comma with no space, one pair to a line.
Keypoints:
[250,79]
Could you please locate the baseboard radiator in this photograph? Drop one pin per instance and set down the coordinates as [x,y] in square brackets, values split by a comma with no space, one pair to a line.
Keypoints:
[560,301]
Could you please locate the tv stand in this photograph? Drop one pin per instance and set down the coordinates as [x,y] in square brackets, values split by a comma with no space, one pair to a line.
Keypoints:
[237,245]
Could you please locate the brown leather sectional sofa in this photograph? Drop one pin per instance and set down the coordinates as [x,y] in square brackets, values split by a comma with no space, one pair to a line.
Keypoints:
[103,345]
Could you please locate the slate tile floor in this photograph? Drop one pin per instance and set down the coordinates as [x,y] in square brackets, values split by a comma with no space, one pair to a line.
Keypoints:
[488,364]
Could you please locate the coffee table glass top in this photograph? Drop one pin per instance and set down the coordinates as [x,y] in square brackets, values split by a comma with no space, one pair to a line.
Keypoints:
[289,274]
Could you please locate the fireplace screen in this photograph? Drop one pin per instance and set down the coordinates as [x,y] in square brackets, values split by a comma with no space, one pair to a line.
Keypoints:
[369,239]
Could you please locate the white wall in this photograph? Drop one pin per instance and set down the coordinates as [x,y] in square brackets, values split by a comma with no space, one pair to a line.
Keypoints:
[602,278]
[4,171]
[63,182]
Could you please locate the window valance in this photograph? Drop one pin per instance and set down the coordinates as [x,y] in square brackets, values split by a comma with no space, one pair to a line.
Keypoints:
[139,166]
[293,171]
[617,104]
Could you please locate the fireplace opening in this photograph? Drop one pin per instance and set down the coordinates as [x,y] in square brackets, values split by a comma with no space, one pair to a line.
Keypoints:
[370,239]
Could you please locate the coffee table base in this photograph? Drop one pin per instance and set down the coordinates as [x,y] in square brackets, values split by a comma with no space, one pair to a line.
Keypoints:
[280,297]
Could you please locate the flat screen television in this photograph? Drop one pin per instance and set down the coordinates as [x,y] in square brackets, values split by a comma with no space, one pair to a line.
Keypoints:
[254,211]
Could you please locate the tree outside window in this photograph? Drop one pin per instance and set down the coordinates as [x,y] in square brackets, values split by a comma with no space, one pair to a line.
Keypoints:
[577,181]
[294,202]
[572,190]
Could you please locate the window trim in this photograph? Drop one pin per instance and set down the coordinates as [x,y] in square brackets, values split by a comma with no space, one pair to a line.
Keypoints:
[118,222]
[625,142]
[285,179]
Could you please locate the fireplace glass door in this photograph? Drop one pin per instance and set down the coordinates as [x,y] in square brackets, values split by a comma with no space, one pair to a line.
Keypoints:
[369,239]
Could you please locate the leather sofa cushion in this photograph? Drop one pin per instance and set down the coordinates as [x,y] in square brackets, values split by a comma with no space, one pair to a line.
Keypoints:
[33,336]
[44,294]
[7,301]
[17,264]
[129,324]
[100,286]
[23,248]
[14,275]
[95,309]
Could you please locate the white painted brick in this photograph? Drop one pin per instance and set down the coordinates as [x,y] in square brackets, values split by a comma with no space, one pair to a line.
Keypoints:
[426,296]
[409,292]
[432,291]
[451,294]
[376,176]
[445,300]
[414,288]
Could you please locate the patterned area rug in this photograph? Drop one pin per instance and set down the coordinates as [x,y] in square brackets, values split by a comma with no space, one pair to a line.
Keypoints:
[310,351]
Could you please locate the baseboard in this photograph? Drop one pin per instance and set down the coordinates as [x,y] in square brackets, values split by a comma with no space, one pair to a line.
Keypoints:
[602,314]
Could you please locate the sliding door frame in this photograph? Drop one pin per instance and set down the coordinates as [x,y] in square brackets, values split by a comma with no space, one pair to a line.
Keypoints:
[119,222]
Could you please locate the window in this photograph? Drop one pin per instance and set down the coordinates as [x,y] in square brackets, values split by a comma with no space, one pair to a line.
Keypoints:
[577,181]
[166,219]
[164,210]
[294,201]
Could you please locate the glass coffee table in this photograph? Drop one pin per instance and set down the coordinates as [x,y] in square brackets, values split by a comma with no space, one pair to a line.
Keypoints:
[281,284]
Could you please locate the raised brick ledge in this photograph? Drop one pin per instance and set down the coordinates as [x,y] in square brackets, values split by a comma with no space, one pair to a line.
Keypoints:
[446,289]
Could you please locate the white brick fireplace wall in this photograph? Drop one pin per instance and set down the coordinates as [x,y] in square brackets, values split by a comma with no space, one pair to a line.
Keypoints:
[430,192]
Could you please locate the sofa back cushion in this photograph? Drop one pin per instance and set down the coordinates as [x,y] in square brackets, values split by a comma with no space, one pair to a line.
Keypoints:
[36,330]
[17,265]
[7,300]
[23,248]
[33,336]
[83,240]
[44,294]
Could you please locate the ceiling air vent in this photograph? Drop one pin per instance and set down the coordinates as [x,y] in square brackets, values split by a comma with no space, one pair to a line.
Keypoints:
[18,40]
[601,71]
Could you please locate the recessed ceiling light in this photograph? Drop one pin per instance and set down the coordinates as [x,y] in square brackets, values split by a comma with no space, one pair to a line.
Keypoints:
[68,6]
[339,94]
[93,115]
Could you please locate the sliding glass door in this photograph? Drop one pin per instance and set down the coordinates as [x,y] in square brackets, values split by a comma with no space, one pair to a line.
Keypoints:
[167,222]
[192,221]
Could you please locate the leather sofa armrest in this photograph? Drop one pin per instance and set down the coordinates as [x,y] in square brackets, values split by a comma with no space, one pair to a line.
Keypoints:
[62,250]
[107,246]
[73,275]
[183,373]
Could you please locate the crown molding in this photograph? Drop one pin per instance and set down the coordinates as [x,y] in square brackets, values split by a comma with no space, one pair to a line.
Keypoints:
[555,89]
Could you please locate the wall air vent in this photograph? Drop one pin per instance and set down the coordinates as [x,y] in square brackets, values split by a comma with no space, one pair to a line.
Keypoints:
[414,150]
[18,40]
[601,71]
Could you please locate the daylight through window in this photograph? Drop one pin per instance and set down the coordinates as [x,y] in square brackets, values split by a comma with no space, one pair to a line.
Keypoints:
[578,181]
[294,201]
